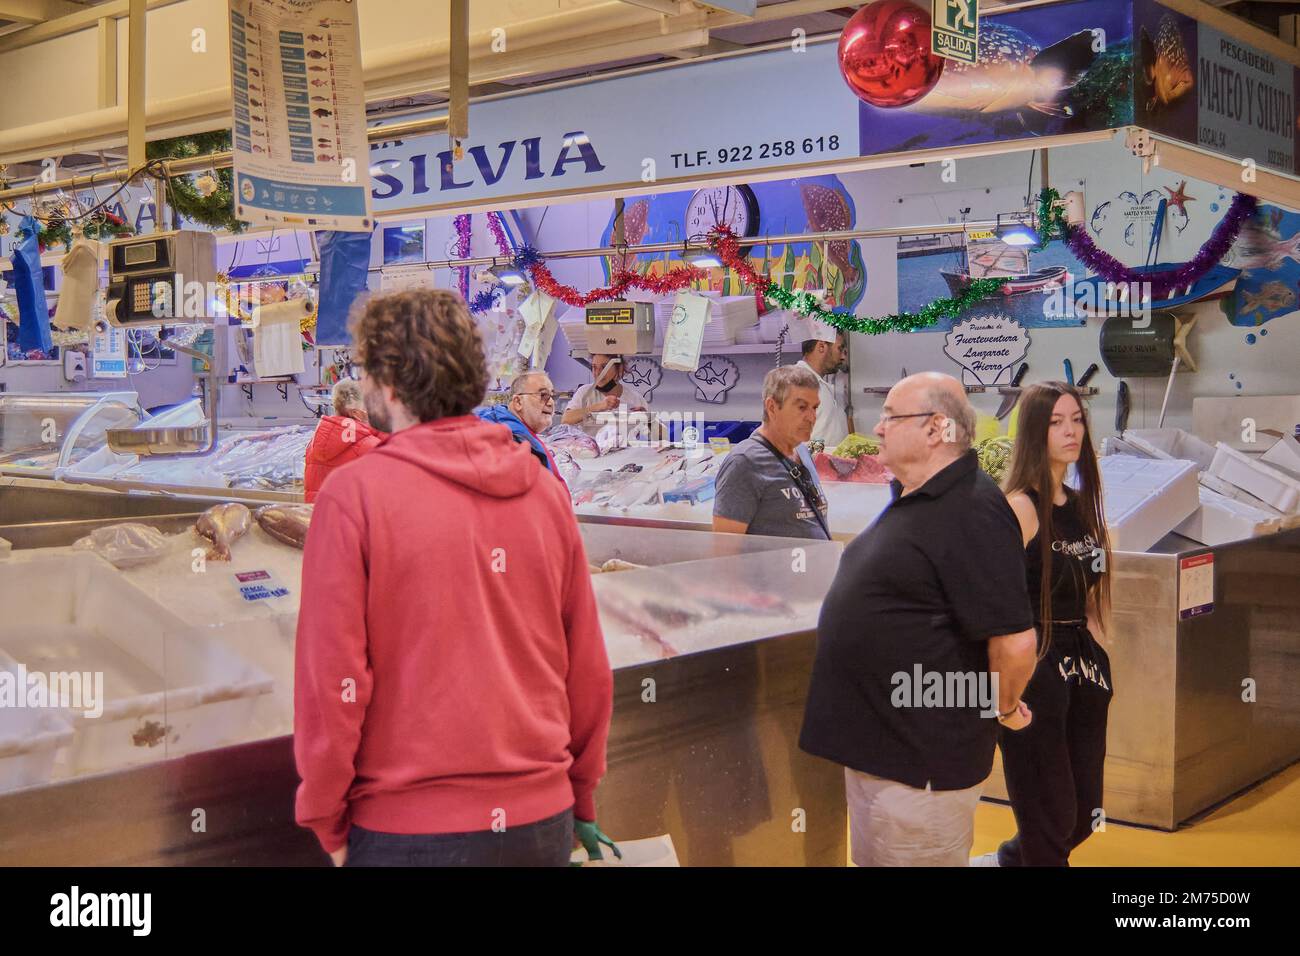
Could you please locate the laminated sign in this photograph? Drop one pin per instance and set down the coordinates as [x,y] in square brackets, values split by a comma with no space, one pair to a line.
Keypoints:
[685,333]
[298,119]
[538,311]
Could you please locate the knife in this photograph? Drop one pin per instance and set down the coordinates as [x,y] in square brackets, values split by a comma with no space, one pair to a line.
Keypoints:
[1087,375]
[1069,372]
[1011,396]
[1121,408]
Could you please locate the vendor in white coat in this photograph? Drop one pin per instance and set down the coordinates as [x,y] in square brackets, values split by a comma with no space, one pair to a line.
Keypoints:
[595,403]
[825,352]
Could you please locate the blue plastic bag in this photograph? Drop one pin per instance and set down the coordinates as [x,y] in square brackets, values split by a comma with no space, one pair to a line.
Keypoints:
[29,286]
[344,269]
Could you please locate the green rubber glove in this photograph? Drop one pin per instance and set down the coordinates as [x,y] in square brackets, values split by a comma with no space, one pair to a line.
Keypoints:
[591,838]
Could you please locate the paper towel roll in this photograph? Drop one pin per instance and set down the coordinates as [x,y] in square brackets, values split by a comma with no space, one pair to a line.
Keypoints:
[277,341]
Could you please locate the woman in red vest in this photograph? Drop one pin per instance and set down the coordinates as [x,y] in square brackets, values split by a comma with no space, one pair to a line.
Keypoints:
[340,438]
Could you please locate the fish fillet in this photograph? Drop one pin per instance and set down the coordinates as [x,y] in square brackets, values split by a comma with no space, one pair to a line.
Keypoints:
[286,523]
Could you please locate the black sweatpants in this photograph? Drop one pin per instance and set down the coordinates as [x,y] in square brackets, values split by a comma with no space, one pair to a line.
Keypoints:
[1054,766]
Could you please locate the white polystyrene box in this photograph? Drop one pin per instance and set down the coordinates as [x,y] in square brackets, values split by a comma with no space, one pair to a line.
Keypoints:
[1271,485]
[1145,498]
[30,738]
[1284,454]
[1170,443]
[167,689]
[1220,520]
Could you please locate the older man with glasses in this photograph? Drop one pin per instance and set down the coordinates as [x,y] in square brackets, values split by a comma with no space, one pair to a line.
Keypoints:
[528,411]
[925,641]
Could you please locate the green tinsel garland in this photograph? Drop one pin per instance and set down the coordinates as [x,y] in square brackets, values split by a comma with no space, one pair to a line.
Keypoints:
[1051,218]
[805,303]
[216,210]
[59,232]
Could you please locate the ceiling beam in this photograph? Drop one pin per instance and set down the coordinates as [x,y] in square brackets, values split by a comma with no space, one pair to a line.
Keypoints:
[670,8]
[37,11]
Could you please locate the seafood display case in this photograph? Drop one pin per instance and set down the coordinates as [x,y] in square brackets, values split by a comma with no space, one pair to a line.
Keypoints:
[42,433]
[711,639]
[260,463]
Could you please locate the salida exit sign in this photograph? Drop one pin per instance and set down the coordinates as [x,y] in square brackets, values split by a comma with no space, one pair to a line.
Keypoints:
[954,30]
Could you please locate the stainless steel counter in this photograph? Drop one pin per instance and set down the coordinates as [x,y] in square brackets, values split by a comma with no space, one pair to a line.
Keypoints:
[1182,735]
[702,745]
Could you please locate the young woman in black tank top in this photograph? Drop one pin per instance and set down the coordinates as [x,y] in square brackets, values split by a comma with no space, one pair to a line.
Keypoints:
[1053,766]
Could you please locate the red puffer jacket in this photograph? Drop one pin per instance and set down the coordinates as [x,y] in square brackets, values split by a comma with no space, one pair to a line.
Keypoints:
[338,440]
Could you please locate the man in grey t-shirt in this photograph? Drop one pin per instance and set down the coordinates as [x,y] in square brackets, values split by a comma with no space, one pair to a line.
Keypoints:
[767,484]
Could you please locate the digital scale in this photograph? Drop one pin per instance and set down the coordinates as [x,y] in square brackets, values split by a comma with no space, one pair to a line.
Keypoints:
[620,328]
[147,276]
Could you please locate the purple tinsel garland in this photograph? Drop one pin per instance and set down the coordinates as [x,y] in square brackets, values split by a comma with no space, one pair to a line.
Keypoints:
[1163,283]
[462,252]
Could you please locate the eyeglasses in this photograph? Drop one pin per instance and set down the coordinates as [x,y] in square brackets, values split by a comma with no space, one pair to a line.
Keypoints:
[546,397]
[890,418]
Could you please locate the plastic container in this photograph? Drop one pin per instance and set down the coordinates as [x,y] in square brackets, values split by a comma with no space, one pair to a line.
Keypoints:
[166,688]
[1274,487]
[733,431]
[30,738]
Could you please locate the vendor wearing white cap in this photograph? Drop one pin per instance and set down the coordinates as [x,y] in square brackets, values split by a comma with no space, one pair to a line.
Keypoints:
[604,394]
[825,352]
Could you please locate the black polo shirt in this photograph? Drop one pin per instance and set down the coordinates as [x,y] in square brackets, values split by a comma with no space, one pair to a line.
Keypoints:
[940,572]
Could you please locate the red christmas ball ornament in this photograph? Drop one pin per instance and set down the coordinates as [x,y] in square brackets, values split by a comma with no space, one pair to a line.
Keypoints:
[885,54]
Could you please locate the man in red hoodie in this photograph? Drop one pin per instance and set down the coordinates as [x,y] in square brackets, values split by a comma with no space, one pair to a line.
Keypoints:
[340,438]
[452,692]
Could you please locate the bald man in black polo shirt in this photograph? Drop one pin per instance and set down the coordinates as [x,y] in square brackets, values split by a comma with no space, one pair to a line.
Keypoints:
[925,640]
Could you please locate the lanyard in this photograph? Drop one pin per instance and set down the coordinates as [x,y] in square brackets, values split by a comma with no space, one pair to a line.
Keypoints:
[808,490]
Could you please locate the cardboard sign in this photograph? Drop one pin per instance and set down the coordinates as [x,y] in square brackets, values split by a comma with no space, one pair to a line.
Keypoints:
[987,347]
[258,585]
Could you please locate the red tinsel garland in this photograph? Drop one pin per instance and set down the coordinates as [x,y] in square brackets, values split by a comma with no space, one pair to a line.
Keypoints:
[624,279]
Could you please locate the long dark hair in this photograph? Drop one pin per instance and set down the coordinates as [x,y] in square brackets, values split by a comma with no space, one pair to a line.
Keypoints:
[1031,471]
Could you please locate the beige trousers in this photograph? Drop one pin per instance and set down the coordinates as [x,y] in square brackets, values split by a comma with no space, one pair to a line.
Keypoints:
[892,824]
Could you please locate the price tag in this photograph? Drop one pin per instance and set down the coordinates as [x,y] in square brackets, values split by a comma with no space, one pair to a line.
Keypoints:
[1195,586]
[258,585]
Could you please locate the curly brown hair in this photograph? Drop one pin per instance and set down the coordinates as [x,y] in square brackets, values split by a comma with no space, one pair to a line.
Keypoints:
[424,344]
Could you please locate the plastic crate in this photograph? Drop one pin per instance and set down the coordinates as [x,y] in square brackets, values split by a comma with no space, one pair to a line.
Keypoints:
[733,431]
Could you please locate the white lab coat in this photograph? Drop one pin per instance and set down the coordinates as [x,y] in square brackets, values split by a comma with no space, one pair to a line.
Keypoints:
[832,424]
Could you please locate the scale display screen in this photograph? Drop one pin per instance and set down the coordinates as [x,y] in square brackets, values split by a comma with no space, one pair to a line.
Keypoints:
[146,253]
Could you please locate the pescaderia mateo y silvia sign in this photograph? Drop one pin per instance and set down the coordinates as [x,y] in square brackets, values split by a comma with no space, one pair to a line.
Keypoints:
[763,113]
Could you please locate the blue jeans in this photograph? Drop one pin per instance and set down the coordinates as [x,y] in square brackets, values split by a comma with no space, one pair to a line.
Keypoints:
[544,843]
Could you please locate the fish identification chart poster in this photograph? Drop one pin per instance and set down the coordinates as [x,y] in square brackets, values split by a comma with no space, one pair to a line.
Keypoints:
[299,117]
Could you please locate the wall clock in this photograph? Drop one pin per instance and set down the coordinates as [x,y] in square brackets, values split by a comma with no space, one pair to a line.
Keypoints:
[713,206]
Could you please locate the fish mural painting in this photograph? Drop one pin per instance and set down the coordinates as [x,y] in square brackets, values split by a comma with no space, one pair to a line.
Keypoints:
[1268,252]
[1040,72]
[809,204]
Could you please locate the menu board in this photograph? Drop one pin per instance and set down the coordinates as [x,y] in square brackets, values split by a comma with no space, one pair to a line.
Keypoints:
[301,155]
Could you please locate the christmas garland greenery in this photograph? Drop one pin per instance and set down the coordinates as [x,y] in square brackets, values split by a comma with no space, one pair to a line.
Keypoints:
[216,210]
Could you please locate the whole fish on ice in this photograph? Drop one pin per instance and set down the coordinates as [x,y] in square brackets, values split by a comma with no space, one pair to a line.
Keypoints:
[285,523]
[1013,73]
[222,525]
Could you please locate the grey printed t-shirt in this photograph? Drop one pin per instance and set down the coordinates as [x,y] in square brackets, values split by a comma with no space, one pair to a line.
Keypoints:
[753,486]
